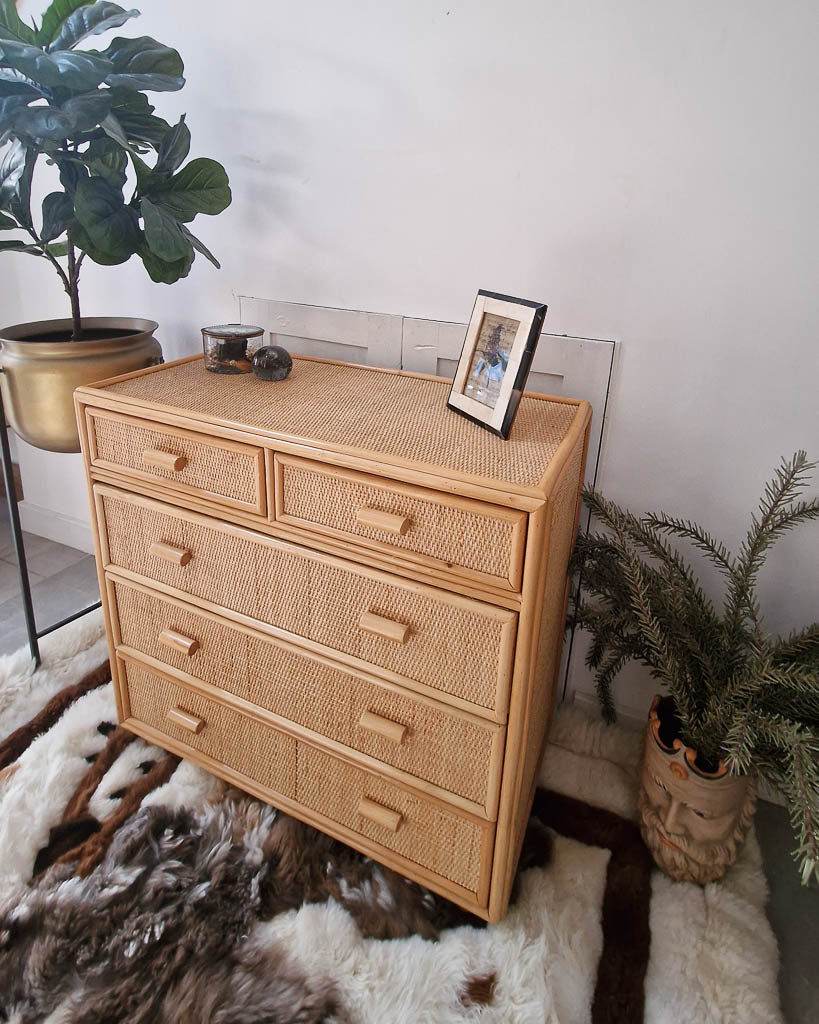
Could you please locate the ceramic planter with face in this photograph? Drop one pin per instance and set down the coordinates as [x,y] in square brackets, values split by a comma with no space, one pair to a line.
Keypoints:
[693,821]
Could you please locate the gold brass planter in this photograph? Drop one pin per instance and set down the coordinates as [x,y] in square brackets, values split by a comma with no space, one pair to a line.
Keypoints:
[39,374]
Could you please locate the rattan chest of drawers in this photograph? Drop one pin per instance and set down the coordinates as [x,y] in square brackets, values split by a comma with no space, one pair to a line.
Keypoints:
[342,597]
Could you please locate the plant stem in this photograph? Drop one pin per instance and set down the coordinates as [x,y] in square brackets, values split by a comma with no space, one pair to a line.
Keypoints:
[74,292]
[49,257]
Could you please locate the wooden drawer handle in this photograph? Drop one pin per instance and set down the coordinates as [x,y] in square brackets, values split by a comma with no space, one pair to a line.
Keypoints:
[178,642]
[189,722]
[179,556]
[384,521]
[387,629]
[164,460]
[392,731]
[379,815]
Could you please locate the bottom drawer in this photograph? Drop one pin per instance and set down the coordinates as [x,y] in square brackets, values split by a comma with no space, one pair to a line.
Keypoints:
[229,738]
[420,831]
[391,820]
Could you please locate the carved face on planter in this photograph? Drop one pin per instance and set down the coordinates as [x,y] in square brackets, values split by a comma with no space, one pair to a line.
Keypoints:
[692,821]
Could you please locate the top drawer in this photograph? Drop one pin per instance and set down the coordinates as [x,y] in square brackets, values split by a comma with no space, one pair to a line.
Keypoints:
[462,537]
[211,467]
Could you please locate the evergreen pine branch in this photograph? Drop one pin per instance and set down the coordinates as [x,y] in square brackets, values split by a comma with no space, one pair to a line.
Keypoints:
[791,759]
[700,538]
[802,646]
[678,603]
[775,517]
[662,657]
[643,535]
[603,683]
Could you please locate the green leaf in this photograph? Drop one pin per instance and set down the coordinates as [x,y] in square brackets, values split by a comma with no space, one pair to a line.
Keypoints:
[78,114]
[6,223]
[16,169]
[162,271]
[10,21]
[11,168]
[201,247]
[143,63]
[15,246]
[58,212]
[163,234]
[142,129]
[200,187]
[88,19]
[127,99]
[107,159]
[134,118]
[107,223]
[174,148]
[14,86]
[114,130]
[9,105]
[71,171]
[81,240]
[56,13]
[57,249]
[142,171]
[77,71]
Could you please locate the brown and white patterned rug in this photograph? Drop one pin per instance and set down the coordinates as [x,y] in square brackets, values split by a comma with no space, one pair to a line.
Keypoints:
[136,887]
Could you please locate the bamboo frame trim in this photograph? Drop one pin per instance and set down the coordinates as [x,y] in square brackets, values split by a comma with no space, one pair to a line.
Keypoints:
[534,578]
[97,536]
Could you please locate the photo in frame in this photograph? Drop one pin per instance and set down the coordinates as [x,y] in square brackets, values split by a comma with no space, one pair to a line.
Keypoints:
[495,360]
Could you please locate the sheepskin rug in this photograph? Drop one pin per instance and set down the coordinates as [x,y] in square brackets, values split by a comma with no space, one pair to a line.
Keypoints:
[136,887]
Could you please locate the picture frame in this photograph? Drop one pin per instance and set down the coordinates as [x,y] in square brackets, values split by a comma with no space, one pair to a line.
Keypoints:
[500,342]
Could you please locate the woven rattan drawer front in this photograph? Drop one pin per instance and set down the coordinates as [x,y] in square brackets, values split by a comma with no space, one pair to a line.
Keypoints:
[447,644]
[456,752]
[220,470]
[458,536]
[245,745]
[442,841]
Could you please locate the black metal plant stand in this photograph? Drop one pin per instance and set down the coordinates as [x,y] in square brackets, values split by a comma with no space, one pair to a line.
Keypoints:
[17,535]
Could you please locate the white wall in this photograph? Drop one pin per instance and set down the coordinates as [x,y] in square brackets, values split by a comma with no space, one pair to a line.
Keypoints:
[647,169]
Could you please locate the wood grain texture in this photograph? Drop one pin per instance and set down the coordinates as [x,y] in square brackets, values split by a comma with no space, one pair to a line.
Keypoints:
[352,608]
[177,716]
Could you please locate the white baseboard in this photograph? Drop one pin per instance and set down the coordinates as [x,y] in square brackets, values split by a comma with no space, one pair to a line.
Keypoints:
[56,526]
[630,717]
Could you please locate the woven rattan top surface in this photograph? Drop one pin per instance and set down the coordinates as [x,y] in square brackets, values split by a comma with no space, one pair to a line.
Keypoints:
[394,416]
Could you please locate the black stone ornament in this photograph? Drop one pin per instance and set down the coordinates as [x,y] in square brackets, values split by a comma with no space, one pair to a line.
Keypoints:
[272,362]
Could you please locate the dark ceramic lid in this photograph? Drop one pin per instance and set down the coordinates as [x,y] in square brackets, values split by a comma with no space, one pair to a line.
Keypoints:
[233,331]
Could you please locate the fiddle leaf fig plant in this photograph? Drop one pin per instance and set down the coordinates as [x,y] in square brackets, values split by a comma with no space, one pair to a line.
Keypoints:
[125,189]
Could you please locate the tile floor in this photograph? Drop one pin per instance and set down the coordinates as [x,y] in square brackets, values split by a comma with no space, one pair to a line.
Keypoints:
[64,581]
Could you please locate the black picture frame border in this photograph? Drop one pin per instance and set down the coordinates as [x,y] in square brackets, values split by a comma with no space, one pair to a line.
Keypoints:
[523,369]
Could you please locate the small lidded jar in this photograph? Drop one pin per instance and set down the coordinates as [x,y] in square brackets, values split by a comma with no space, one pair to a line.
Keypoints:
[225,347]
